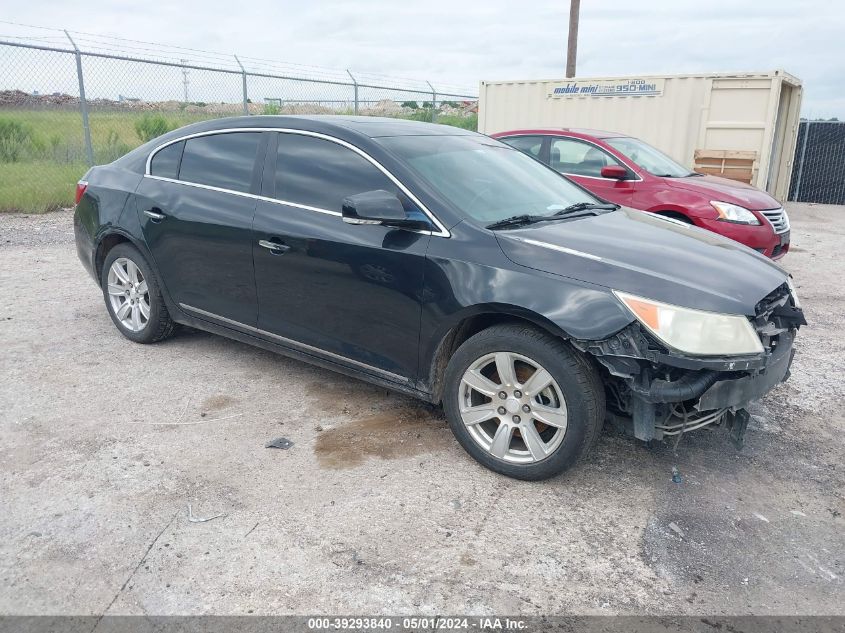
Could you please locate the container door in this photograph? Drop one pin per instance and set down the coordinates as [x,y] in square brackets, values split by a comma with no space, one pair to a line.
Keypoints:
[783,149]
[779,137]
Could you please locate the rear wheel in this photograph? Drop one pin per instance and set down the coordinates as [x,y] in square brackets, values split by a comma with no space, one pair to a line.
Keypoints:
[523,403]
[133,297]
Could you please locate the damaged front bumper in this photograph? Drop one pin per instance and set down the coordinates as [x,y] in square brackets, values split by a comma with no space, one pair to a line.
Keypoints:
[741,391]
[655,394]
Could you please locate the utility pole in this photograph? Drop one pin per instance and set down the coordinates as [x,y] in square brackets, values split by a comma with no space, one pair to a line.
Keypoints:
[185,80]
[572,47]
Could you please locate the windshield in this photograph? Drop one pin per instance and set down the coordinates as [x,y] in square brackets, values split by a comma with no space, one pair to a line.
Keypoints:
[648,158]
[485,179]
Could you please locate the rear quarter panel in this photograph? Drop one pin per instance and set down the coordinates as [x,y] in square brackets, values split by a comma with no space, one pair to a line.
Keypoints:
[101,209]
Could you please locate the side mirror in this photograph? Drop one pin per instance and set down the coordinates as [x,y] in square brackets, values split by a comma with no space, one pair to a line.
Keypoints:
[616,172]
[379,207]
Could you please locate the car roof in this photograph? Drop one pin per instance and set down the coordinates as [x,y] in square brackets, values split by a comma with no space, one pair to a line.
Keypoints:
[361,130]
[373,127]
[569,131]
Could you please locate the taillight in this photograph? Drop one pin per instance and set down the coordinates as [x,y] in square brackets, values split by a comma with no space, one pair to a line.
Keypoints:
[81,186]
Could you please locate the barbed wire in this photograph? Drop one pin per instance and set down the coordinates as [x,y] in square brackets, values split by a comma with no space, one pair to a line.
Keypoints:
[95,43]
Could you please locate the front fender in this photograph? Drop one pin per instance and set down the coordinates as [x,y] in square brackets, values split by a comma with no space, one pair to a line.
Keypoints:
[457,289]
[694,207]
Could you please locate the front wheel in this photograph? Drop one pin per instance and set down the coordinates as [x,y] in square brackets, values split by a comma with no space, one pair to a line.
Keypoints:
[522,402]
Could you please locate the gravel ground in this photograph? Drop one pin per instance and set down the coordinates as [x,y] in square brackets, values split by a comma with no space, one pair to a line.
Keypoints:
[375,508]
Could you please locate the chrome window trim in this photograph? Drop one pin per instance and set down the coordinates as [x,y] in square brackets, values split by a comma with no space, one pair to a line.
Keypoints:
[244,194]
[441,231]
[573,138]
[296,344]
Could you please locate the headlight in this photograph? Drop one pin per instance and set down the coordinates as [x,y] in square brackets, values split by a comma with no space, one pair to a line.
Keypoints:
[793,292]
[694,332]
[734,213]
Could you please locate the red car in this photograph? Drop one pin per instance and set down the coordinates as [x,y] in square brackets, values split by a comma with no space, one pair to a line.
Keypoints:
[627,171]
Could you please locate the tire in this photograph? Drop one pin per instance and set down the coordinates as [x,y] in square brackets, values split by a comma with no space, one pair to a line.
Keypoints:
[569,411]
[156,324]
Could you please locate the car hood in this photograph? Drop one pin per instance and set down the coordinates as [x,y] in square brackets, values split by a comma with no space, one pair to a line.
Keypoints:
[649,256]
[725,190]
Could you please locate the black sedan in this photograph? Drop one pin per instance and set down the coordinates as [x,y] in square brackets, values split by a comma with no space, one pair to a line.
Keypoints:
[445,265]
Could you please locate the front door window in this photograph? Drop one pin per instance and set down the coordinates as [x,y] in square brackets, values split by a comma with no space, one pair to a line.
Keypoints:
[577,158]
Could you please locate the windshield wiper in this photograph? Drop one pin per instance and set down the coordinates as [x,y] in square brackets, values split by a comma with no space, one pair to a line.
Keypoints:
[586,206]
[517,220]
[525,219]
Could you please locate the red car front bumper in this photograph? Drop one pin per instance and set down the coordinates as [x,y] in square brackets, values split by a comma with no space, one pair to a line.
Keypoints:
[761,238]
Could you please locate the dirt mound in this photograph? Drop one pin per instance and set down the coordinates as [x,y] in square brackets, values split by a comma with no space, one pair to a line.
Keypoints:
[21,99]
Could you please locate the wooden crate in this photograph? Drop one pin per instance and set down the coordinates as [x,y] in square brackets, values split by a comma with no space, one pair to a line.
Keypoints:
[728,163]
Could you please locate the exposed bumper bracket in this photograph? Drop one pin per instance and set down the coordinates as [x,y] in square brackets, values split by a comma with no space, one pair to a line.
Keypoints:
[736,423]
[739,392]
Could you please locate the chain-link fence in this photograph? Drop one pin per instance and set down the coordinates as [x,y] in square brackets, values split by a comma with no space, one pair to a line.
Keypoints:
[65,107]
[818,172]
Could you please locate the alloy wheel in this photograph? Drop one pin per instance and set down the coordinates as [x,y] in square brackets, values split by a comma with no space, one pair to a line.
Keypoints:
[512,407]
[128,294]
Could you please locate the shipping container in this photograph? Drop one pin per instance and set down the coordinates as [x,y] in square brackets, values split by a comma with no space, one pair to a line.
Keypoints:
[737,125]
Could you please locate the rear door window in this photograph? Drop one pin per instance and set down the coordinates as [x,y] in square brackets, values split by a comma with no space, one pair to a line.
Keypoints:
[570,156]
[165,162]
[221,160]
[531,145]
[319,173]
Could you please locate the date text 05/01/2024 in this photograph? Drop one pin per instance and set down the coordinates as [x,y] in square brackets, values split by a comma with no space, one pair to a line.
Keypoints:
[416,623]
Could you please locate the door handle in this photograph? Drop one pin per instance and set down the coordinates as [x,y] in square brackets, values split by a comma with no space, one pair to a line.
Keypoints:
[275,248]
[155,214]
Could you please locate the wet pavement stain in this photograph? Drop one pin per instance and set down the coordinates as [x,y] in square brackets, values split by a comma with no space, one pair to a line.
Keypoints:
[389,435]
[344,396]
[215,403]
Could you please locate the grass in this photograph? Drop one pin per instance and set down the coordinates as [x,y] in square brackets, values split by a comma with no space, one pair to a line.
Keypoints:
[463,122]
[42,153]
[44,176]
[38,186]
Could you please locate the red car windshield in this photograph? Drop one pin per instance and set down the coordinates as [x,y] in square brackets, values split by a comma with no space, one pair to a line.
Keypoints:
[648,158]
[486,180]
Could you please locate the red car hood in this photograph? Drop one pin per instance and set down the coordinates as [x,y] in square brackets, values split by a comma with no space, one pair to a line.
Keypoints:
[724,190]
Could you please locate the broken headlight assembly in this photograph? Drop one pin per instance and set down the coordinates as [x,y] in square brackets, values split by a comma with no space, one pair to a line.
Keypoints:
[791,285]
[694,332]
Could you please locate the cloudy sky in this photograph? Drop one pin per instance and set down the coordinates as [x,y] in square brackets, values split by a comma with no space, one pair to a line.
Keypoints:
[459,42]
